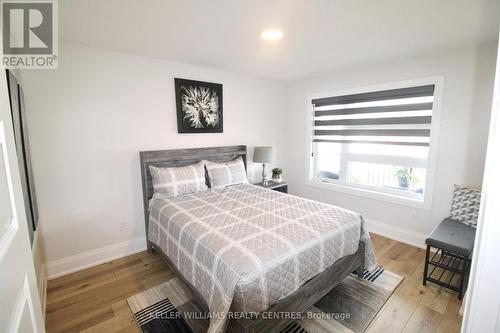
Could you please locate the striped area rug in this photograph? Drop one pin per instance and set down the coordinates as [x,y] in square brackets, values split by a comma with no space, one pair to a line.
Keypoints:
[349,307]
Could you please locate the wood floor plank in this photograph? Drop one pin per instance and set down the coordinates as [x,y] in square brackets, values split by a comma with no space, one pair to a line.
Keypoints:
[129,329]
[112,325]
[78,321]
[156,279]
[80,276]
[381,244]
[399,309]
[71,315]
[435,299]
[68,310]
[402,259]
[451,321]
[140,269]
[97,296]
[121,307]
[151,258]
[80,287]
[94,300]
[423,320]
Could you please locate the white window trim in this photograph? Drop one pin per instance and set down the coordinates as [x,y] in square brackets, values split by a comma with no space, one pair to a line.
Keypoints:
[366,191]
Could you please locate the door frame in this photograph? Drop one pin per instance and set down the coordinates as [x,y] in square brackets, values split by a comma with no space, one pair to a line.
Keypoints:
[482,304]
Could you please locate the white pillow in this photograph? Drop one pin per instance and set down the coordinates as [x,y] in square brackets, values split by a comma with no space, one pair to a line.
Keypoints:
[178,180]
[226,173]
[465,205]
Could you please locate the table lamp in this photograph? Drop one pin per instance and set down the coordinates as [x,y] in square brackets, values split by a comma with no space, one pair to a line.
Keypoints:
[263,154]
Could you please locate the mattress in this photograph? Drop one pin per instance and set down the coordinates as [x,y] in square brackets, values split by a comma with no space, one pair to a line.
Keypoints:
[246,248]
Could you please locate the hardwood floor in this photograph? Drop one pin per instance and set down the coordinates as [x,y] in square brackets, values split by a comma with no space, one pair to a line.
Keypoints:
[94,300]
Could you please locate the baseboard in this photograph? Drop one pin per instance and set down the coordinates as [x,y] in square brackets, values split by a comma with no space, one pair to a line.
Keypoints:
[81,261]
[399,234]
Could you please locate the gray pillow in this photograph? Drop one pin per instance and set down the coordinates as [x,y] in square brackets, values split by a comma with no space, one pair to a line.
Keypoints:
[226,173]
[465,205]
[179,180]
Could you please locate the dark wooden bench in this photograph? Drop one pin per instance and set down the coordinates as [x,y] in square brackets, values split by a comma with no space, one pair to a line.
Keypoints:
[454,243]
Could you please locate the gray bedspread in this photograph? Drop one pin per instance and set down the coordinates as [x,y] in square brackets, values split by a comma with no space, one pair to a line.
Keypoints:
[250,247]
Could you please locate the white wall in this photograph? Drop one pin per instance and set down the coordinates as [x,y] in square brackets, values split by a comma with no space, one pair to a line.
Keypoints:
[89,119]
[468,85]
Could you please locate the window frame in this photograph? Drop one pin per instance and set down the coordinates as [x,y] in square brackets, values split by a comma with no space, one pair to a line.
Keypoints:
[385,194]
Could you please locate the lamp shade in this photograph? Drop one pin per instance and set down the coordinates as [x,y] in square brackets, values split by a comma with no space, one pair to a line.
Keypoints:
[263,154]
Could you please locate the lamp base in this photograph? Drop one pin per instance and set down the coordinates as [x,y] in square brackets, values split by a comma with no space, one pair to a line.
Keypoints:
[265,180]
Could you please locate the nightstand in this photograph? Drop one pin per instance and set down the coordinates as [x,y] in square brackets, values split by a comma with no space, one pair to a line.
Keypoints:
[280,187]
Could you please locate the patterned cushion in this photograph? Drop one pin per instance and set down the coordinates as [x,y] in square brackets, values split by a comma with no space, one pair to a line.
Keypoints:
[465,205]
[227,173]
[179,180]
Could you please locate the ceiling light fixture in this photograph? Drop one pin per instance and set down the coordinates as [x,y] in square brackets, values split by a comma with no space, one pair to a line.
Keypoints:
[272,34]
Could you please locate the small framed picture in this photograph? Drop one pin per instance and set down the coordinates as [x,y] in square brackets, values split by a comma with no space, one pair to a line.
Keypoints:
[199,106]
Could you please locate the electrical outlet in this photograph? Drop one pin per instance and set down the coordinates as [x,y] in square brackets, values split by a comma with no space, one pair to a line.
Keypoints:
[123,226]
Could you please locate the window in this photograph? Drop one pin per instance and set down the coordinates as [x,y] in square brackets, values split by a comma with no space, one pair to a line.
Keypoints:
[376,142]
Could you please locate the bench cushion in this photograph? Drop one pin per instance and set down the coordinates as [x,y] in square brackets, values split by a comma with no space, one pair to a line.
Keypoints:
[453,236]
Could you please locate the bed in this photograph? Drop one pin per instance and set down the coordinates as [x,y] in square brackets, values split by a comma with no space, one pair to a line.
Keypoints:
[249,250]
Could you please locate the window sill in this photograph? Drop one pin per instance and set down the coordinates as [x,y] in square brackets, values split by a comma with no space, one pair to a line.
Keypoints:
[371,194]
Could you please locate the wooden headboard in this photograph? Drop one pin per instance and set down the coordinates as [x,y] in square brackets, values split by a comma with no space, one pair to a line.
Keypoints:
[181,157]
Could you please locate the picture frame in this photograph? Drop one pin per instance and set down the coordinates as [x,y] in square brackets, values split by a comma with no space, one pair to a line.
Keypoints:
[27,158]
[19,123]
[199,106]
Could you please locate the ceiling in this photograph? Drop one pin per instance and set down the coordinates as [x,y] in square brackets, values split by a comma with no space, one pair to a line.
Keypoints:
[319,35]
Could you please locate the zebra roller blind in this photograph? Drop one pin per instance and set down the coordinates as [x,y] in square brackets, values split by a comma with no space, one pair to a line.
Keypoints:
[398,116]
